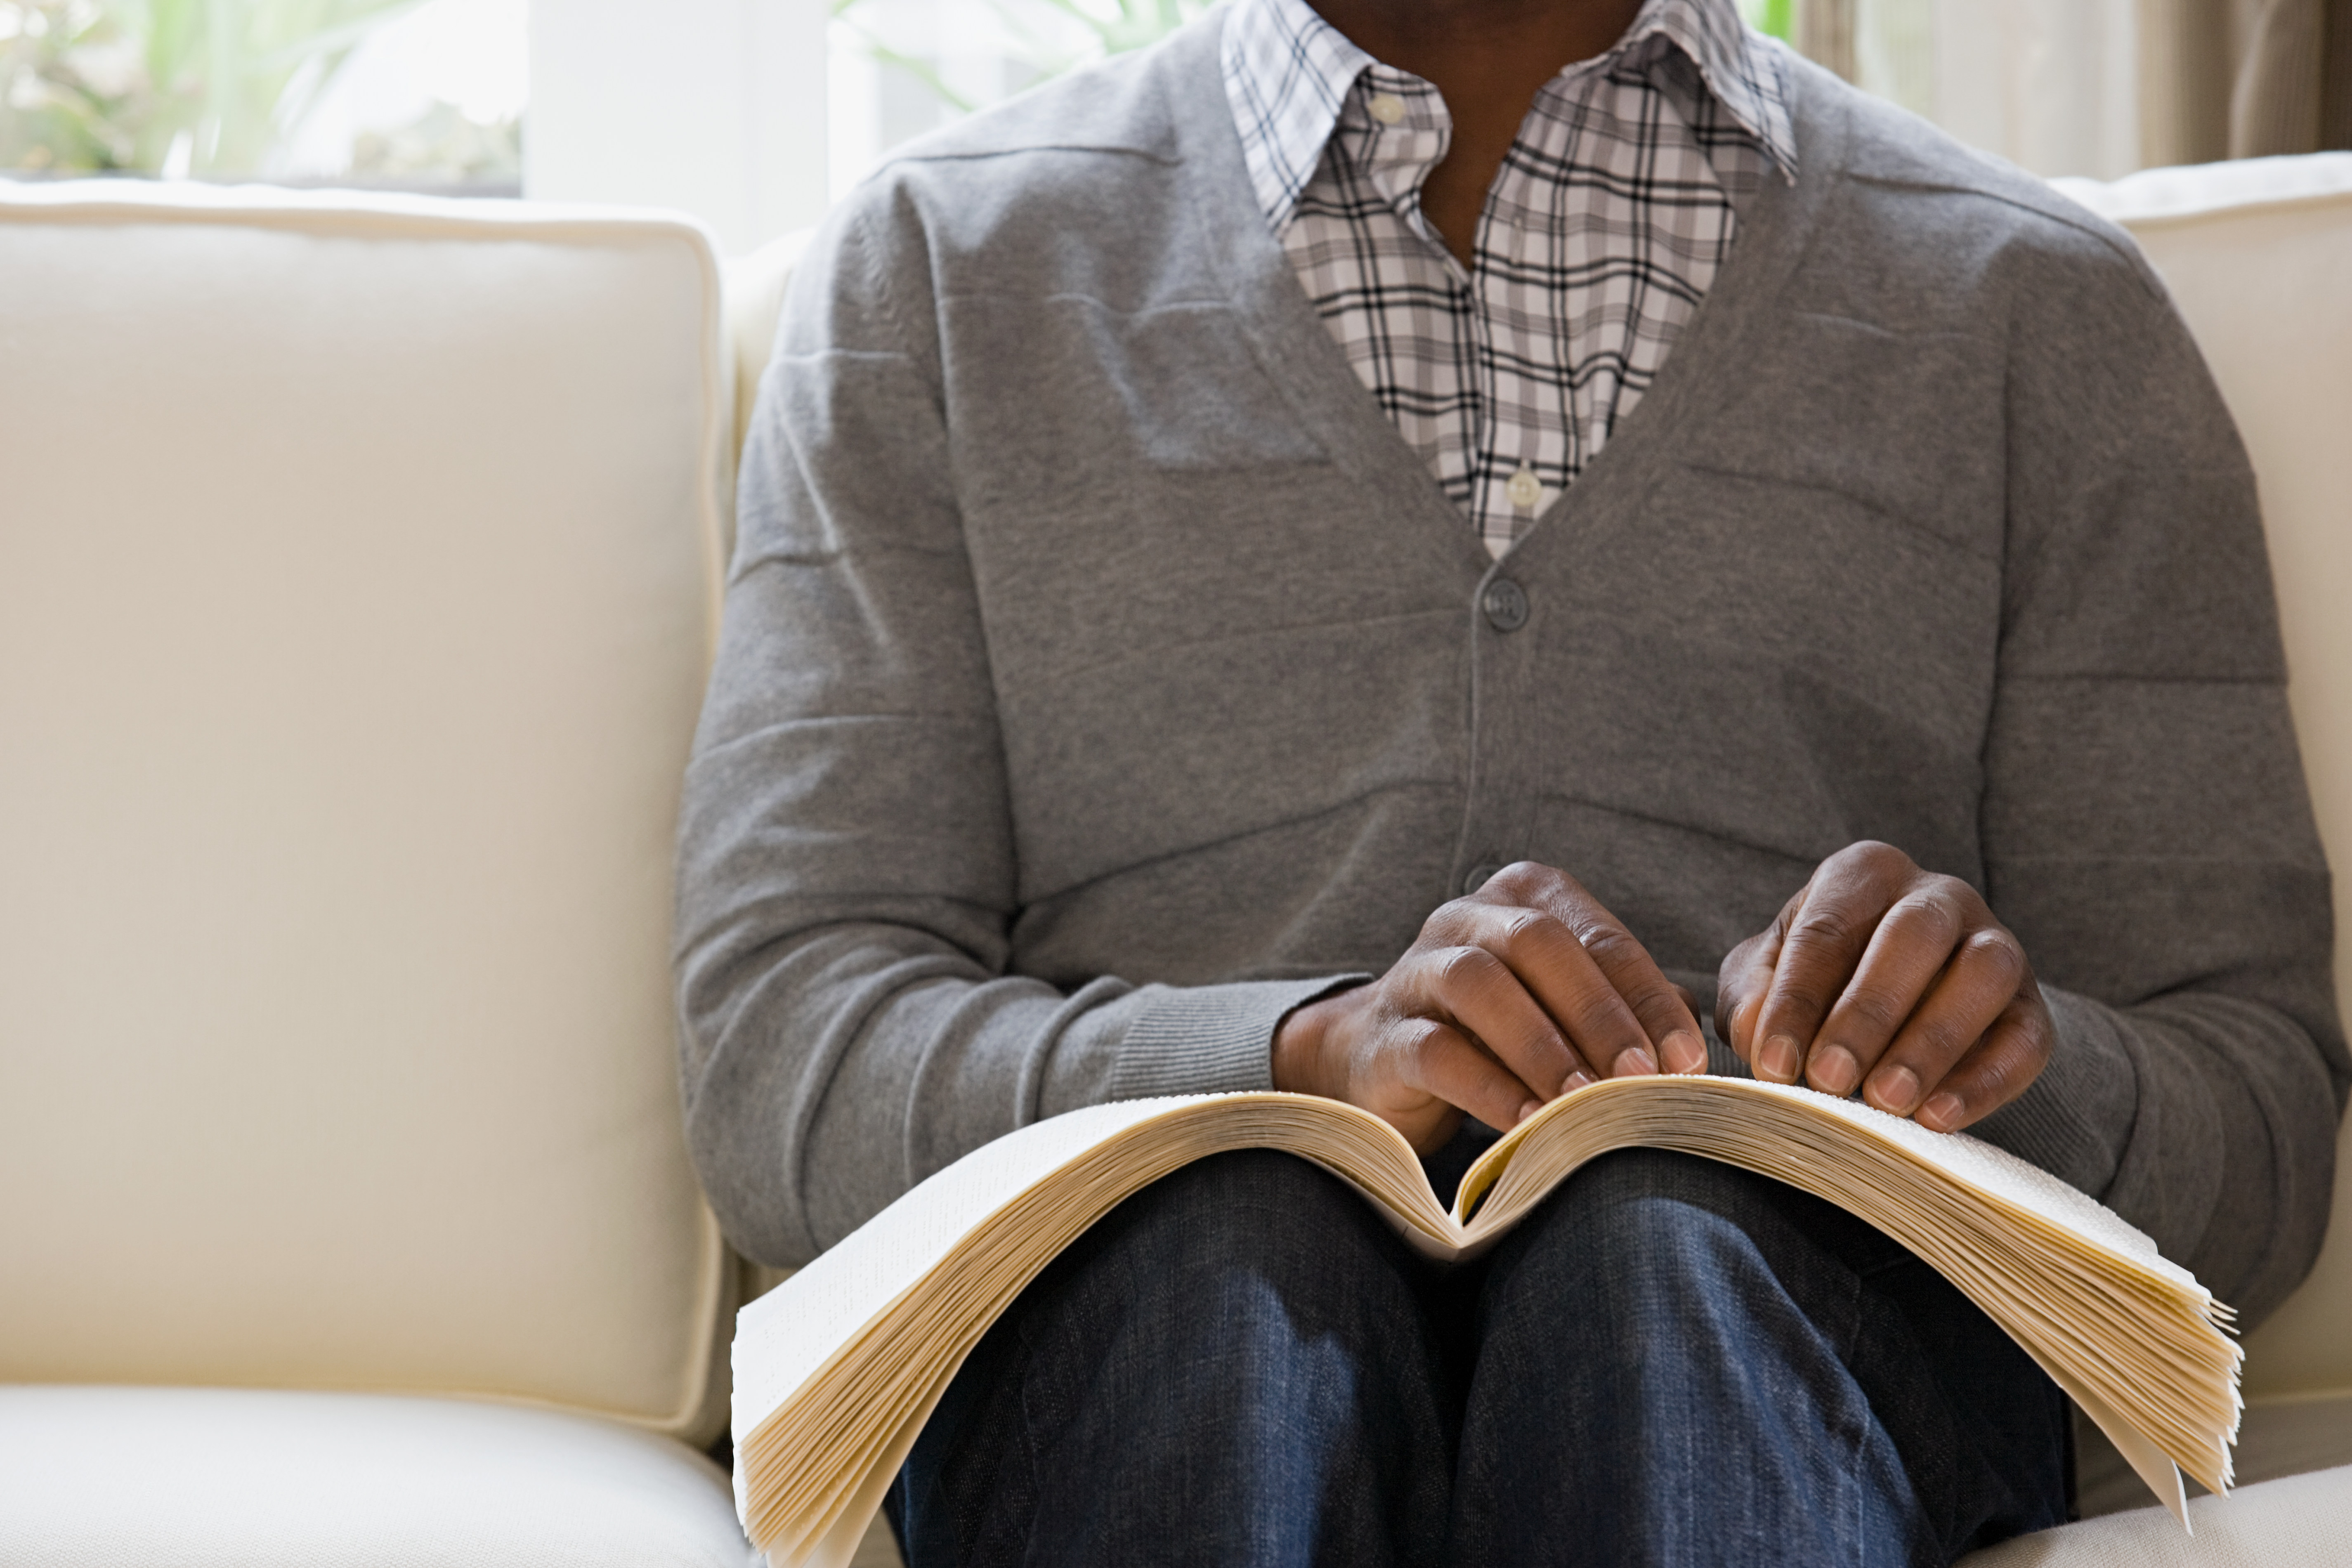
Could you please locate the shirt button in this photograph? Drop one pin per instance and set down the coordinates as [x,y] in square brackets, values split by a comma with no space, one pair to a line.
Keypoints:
[1479,877]
[1386,108]
[1524,488]
[1506,604]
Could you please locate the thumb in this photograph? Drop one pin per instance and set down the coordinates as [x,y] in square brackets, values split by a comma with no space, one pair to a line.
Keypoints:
[1741,985]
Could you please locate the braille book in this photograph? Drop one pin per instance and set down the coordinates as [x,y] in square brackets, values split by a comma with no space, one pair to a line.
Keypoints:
[836,1370]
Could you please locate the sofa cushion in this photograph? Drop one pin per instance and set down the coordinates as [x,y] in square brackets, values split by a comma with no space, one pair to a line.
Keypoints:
[357,577]
[2278,1437]
[2298,1520]
[2257,254]
[230,1479]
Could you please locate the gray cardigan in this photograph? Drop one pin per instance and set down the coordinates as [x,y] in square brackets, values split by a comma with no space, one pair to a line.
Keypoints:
[1102,675]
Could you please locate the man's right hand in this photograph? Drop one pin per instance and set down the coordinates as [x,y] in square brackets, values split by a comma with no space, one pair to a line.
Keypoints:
[1511,996]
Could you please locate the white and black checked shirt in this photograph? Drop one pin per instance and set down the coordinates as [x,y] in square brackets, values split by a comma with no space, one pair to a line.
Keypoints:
[1613,210]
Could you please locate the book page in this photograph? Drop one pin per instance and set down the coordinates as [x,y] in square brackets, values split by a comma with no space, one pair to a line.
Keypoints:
[1978,1164]
[786,1336]
[781,1339]
[1990,1170]
[827,1364]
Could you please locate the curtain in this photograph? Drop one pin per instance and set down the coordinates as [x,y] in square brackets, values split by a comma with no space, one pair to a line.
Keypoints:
[2229,78]
[2335,79]
[1824,33]
[2102,87]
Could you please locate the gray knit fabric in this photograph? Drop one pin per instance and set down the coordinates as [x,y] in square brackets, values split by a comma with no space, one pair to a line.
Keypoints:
[1102,675]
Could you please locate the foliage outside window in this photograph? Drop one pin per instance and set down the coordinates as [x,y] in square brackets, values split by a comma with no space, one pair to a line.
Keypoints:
[1774,19]
[1050,36]
[216,88]
[1034,38]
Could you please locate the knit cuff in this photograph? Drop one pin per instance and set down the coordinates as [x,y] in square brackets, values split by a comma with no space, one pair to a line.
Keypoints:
[1209,1039]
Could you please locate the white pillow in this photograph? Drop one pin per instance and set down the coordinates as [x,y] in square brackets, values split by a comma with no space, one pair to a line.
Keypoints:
[357,579]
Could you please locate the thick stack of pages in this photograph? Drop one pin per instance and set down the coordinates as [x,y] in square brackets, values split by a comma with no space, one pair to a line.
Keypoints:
[836,1370]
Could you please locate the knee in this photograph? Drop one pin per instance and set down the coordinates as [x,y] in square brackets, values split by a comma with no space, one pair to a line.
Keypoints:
[1643,1223]
[1634,1192]
[1236,1343]
[1253,1279]
[1248,1231]
[1269,1210]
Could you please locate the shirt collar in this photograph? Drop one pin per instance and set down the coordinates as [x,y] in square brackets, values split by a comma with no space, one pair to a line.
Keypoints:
[1288,73]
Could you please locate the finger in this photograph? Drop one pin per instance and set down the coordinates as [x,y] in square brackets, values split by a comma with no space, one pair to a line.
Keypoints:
[1480,993]
[1996,1070]
[1841,908]
[1975,987]
[1742,983]
[1745,978]
[1550,962]
[1661,1007]
[1660,1010]
[1435,1059]
[1690,1004]
[1906,954]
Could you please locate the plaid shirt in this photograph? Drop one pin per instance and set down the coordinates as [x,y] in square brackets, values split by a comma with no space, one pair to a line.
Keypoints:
[1603,230]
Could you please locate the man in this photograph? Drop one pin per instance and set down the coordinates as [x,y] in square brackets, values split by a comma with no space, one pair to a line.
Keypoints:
[1411,549]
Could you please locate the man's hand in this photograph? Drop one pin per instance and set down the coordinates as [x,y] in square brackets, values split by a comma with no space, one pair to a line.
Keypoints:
[1881,974]
[1511,996]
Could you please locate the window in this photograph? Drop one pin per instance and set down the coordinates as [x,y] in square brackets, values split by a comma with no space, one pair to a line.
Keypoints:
[899,68]
[416,94]
[753,114]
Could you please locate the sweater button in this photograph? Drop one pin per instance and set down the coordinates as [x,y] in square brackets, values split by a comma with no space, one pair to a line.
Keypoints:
[1506,604]
[1479,877]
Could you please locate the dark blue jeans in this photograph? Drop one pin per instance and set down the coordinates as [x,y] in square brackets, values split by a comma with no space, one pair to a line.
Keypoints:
[1671,1362]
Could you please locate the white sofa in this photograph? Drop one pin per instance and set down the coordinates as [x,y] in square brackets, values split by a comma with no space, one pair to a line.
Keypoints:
[357,583]
[358,564]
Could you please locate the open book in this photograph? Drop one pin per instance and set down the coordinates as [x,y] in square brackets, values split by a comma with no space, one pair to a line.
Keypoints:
[836,1370]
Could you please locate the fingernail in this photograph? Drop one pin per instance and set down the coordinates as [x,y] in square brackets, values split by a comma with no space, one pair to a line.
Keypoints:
[1576,1080]
[1530,1109]
[1636,1063]
[1833,1070]
[1685,1052]
[1945,1110]
[1776,1060]
[1743,1021]
[1896,1089]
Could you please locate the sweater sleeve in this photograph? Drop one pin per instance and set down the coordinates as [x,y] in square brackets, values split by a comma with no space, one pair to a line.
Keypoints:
[2147,831]
[847,866]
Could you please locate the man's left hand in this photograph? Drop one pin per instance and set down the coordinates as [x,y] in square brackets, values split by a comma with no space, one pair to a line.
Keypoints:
[1882,974]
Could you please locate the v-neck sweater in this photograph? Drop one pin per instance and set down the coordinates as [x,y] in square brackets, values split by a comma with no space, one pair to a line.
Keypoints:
[1102,677]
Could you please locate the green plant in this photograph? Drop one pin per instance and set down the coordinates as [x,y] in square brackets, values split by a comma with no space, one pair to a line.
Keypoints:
[1129,24]
[1774,19]
[1108,28]
[189,86]
[440,144]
